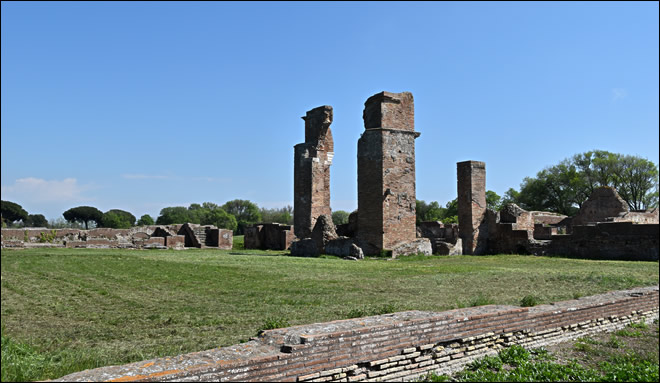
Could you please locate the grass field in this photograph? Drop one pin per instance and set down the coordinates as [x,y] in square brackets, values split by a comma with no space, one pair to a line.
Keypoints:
[67,310]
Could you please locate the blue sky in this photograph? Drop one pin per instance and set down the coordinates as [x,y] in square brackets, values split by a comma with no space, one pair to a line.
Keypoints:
[140,106]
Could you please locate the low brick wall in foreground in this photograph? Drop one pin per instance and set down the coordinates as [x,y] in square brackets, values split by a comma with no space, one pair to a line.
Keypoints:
[391,347]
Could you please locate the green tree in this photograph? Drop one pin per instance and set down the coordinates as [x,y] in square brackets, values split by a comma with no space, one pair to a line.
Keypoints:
[145,220]
[36,220]
[282,215]
[493,200]
[511,196]
[637,182]
[173,215]
[428,211]
[451,212]
[340,217]
[196,213]
[246,213]
[113,221]
[563,188]
[220,218]
[12,212]
[118,219]
[84,214]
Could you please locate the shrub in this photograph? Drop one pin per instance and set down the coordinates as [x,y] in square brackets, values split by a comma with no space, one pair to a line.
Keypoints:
[481,300]
[529,301]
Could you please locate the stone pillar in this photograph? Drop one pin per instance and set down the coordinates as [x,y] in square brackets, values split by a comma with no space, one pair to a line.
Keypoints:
[472,206]
[386,171]
[311,171]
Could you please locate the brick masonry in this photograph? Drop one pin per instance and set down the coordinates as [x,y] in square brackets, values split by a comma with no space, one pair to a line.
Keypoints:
[269,236]
[153,236]
[392,347]
[471,184]
[386,171]
[311,171]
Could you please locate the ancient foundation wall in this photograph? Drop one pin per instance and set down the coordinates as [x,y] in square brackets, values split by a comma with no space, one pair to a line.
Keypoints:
[153,236]
[392,347]
[609,240]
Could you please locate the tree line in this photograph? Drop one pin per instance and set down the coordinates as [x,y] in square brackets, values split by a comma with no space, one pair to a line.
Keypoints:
[233,215]
[561,188]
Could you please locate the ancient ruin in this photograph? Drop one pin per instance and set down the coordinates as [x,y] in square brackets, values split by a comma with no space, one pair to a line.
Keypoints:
[139,237]
[311,171]
[386,183]
[403,346]
[472,206]
[268,236]
[386,171]
[604,228]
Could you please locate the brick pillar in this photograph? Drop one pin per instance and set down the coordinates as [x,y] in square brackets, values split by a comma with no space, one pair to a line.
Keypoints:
[472,206]
[311,171]
[386,170]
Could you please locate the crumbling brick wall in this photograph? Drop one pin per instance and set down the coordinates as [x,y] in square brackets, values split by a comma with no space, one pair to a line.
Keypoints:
[386,171]
[392,347]
[172,236]
[269,236]
[311,171]
[603,203]
[609,240]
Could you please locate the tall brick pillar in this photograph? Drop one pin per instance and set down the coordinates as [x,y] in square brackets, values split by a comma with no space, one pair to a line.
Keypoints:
[386,170]
[472,206]
[311,171]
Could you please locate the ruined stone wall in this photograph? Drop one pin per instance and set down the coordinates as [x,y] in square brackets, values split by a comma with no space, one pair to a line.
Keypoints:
[609,240]
[603,203]
[269,236]
[392,347]
[471,179]
[153,236]
[547,218]
[312,160]
[386,171]
[639,217]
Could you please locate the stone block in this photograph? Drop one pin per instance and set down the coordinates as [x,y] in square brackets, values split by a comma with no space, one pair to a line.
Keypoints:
[304,248]
[175,241]
[418,246]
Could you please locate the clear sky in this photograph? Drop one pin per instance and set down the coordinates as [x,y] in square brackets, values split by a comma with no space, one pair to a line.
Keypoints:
[140,106]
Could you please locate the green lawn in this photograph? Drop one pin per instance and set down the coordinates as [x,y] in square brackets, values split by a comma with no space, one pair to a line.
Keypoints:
[84,308]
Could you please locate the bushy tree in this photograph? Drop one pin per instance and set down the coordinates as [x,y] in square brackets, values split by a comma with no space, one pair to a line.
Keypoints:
[173,215]
[246,213]
[118,219]
[434,212]
[207,213]
[36,220]
[220,218]
[84,214]
[145,220]
[428,212]
[340,217]
[282,215]
[563,188]
[12,212]
[493,200]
